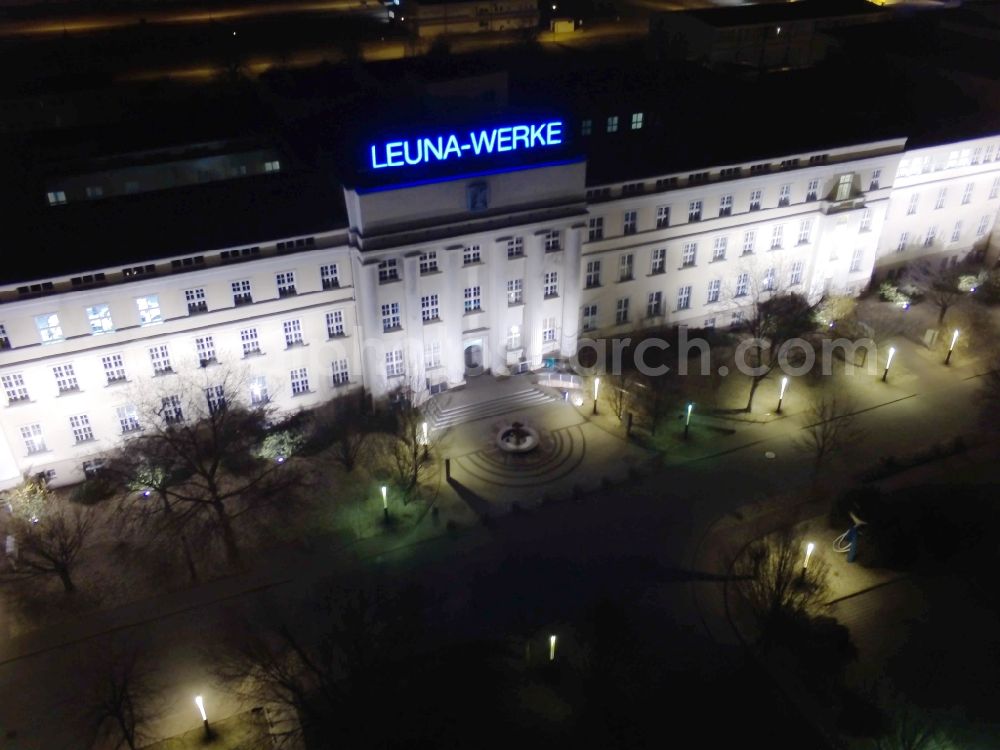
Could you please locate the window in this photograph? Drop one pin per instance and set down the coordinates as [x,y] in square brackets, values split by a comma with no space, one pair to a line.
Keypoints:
[250,341]
[114,368]
[241,293]
[812,190]
[390,317]
[770,279]
[977,154]
[14,387]
[593,274]
[995,188]
[205,346]
[795,276]
[551,284]
[725,205]
[777,236]
[149,310]
[293,332]
[755,200]
[48,327]
[785,195]
[714,290]
[654,304]
[334,324]
[4,338]
[432,354]
[472,299]
[341,374]
[613,124]
[170,409]
[595,228]
[742,285]
[856,258]
[258,390]
[429,308]
[904,238]
[942,194]
[662,216]
[694,211]
[215,397]
[548,330]
[394,363]
[621,311]
[912,207]
[56,198]
[515,247]
[34,441]
[99,317]
[272,166]
[65,377]
[689,254]
[586,127]
[844,183]
[428,262]
[709,323]
[388,271]
[876,178]
[195,299]
[637,121]
[128,418]
[328,276]
[82,431]
[553,240]
[684,298]
[625,265]
[988,154]
[658,262]
[300,381]
[629,223]
[984,226]
[471,255]
[967,193]
[515,294]
[866,220]
[956,233]
[805,231]
[589,317]
[719,248]
[286,283]
[930,236]
[749,241]
[514,337]
[160,357]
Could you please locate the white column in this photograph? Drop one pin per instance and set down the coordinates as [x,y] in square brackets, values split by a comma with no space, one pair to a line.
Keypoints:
[414,325]
[370,327]
[571,291]
[496,257]
[453,308]
[534,251]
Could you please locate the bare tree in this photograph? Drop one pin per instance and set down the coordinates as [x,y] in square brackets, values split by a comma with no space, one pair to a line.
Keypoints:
[205,440]
[619,391]
[772,583]
[340,422]
[910,729]
[123,697]
[830,426]
[51,546]
[656,396]
[407,451]
[939,285]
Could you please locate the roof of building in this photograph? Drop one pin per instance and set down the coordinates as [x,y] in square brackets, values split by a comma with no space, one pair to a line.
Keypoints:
[782,12]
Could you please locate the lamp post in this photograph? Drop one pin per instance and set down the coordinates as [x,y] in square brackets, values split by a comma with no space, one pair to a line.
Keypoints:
[885,373]
[385,503]
[597,385]
[200,703]
[781,394]
[552,648]
[805,563]
[687,420]
[954,338]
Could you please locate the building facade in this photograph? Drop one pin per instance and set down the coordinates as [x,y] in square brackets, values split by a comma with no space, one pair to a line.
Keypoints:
[428,283]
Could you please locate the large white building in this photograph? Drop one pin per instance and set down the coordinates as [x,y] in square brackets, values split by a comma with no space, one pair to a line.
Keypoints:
[430,282]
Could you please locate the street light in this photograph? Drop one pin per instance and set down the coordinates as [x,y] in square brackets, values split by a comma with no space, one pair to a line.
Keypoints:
[954,338]
[200,703]
[687,420]
[597,384]
[781,394]
[385,502]
[892,353]
[552,648]
[423,433]
[809,550]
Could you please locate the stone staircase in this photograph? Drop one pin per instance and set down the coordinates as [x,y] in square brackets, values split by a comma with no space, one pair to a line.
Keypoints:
[450,409]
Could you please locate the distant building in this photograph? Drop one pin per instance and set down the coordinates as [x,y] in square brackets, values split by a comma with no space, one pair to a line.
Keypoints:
[766,37]
[431,18]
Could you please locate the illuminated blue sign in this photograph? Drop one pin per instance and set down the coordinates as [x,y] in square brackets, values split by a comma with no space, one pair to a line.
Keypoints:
[465,145]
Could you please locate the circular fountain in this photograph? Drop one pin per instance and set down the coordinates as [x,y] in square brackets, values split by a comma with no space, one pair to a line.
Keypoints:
[517,438]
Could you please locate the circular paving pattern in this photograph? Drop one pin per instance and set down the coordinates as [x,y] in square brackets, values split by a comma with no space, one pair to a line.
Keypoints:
[559,452]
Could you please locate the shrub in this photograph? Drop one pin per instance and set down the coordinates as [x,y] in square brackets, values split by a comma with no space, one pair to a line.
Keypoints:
[92,491]
[889,292]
